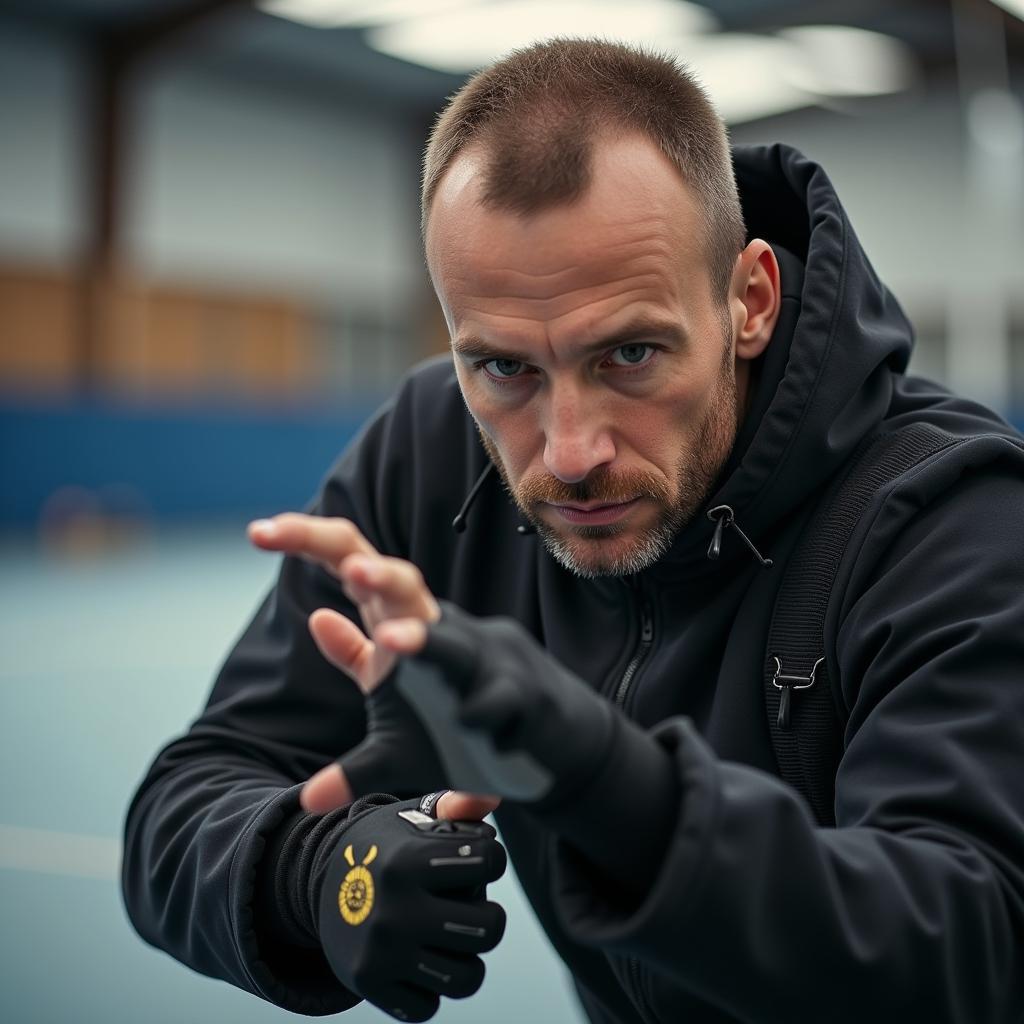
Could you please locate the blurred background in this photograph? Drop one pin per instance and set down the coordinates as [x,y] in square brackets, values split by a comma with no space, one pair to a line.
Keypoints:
[210,274]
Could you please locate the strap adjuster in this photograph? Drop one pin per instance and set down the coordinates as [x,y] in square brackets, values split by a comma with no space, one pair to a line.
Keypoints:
[787,683]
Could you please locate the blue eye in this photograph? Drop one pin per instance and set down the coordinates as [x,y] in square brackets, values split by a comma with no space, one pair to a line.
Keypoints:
[504,367]
[635,354]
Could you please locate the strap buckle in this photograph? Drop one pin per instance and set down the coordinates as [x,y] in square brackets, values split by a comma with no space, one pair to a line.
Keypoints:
[787,683]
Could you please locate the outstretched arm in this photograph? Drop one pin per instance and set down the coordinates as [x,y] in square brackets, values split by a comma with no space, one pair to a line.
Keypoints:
[913,905]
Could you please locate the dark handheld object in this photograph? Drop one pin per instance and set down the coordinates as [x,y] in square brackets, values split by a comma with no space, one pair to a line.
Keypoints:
[507,719]
[504,717]
[469,757]
[403,912]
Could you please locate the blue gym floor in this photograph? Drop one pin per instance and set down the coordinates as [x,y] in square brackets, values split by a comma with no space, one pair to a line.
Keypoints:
[102,659]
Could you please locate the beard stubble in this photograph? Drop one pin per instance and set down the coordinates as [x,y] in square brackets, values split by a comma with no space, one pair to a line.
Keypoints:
[592,551]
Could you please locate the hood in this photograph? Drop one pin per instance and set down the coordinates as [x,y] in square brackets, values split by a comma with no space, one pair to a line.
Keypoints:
[826,378]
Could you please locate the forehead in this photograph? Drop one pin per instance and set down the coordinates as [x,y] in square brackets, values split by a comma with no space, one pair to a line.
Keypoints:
[637,218]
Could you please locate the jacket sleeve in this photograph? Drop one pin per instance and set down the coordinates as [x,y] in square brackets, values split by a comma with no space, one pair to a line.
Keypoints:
[913,906]
[213,799]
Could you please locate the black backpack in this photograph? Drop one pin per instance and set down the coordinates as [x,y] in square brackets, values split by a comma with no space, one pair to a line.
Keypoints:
[806,712]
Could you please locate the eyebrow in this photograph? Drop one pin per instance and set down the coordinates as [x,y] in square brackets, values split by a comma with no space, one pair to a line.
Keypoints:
[637,330]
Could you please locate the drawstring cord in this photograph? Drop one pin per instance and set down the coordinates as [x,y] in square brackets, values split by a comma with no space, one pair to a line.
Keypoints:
[459,522]
[723,517]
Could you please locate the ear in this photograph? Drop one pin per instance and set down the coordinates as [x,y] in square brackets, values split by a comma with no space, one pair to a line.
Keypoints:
[755,296]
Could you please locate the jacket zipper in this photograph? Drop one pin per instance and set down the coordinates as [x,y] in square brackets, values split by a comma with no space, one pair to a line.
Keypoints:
[639,1002]
[641,652]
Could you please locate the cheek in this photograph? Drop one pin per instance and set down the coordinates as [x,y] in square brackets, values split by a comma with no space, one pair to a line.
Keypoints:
[517,439]
[657,428]
[512,430]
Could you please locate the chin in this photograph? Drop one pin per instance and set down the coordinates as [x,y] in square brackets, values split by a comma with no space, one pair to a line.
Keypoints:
[604,550]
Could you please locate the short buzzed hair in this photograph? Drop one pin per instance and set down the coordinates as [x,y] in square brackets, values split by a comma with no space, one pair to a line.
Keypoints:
[538,111]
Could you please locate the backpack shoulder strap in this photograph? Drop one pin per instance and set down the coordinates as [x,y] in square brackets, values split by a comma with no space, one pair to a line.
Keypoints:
[806,714]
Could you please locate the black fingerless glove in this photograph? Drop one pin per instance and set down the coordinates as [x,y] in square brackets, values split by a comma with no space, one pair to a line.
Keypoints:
[508,719]
[397,755]
[401,908]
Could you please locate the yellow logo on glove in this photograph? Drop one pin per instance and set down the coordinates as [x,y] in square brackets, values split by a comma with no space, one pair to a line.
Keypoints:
[355,897]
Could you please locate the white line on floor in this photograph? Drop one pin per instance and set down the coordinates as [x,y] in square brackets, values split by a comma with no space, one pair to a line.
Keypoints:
[59,853]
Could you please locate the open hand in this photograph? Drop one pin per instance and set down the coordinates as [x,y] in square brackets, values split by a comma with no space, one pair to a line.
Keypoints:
[383,589]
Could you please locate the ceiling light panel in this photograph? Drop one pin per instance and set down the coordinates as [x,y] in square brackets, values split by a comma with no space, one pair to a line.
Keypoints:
[746,76]
[839,60]
[356,13]
[1015,7]
[465,39]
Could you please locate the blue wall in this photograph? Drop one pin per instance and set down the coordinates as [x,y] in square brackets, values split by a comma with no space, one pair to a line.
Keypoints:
[171,464]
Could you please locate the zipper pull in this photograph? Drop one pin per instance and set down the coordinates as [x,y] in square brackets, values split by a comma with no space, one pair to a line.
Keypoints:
[646,625]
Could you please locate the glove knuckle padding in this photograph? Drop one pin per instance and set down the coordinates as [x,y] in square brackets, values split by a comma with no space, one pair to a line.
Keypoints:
[494,916]
[449,975]
[382,924]
[488,831]
[406,1002]
[469,979]
[497,861]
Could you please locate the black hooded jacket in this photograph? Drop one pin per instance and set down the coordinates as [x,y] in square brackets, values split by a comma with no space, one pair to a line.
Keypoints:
[911,908]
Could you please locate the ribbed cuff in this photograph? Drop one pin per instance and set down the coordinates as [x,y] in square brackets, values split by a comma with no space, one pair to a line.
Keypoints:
[292,869]
[295,977]
[281,910]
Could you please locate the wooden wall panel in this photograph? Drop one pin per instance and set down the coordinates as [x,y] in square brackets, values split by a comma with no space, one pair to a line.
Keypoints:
[38,316]
[157,340]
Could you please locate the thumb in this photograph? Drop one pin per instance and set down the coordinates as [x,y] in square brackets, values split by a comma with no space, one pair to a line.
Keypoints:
[455,806]
[343,644]
[326,790]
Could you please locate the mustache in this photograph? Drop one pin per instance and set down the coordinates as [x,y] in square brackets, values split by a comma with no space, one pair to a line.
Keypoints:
[601,486]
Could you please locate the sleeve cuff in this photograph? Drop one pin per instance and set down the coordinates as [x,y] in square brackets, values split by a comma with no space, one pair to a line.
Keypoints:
[599,910]
[620,821]
[295,978]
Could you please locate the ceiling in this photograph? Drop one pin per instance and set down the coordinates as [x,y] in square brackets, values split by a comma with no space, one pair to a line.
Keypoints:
[233,37]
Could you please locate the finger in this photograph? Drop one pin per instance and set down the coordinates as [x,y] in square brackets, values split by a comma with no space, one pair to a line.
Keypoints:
[326,790]
[468,927]
[465,863]
[342,643]
[447,975]
[404,1002]
[317,538]
[455,806]
[396,583]
[401,636]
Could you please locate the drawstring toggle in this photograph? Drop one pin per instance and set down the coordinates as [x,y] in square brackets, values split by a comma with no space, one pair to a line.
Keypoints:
[723,517]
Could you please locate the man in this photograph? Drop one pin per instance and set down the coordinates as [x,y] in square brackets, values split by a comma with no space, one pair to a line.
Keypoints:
[635,345]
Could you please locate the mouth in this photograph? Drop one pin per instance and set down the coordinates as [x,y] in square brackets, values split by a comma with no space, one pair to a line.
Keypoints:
[595,514]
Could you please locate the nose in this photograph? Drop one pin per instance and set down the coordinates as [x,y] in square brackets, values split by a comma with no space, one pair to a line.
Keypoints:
[576,437]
